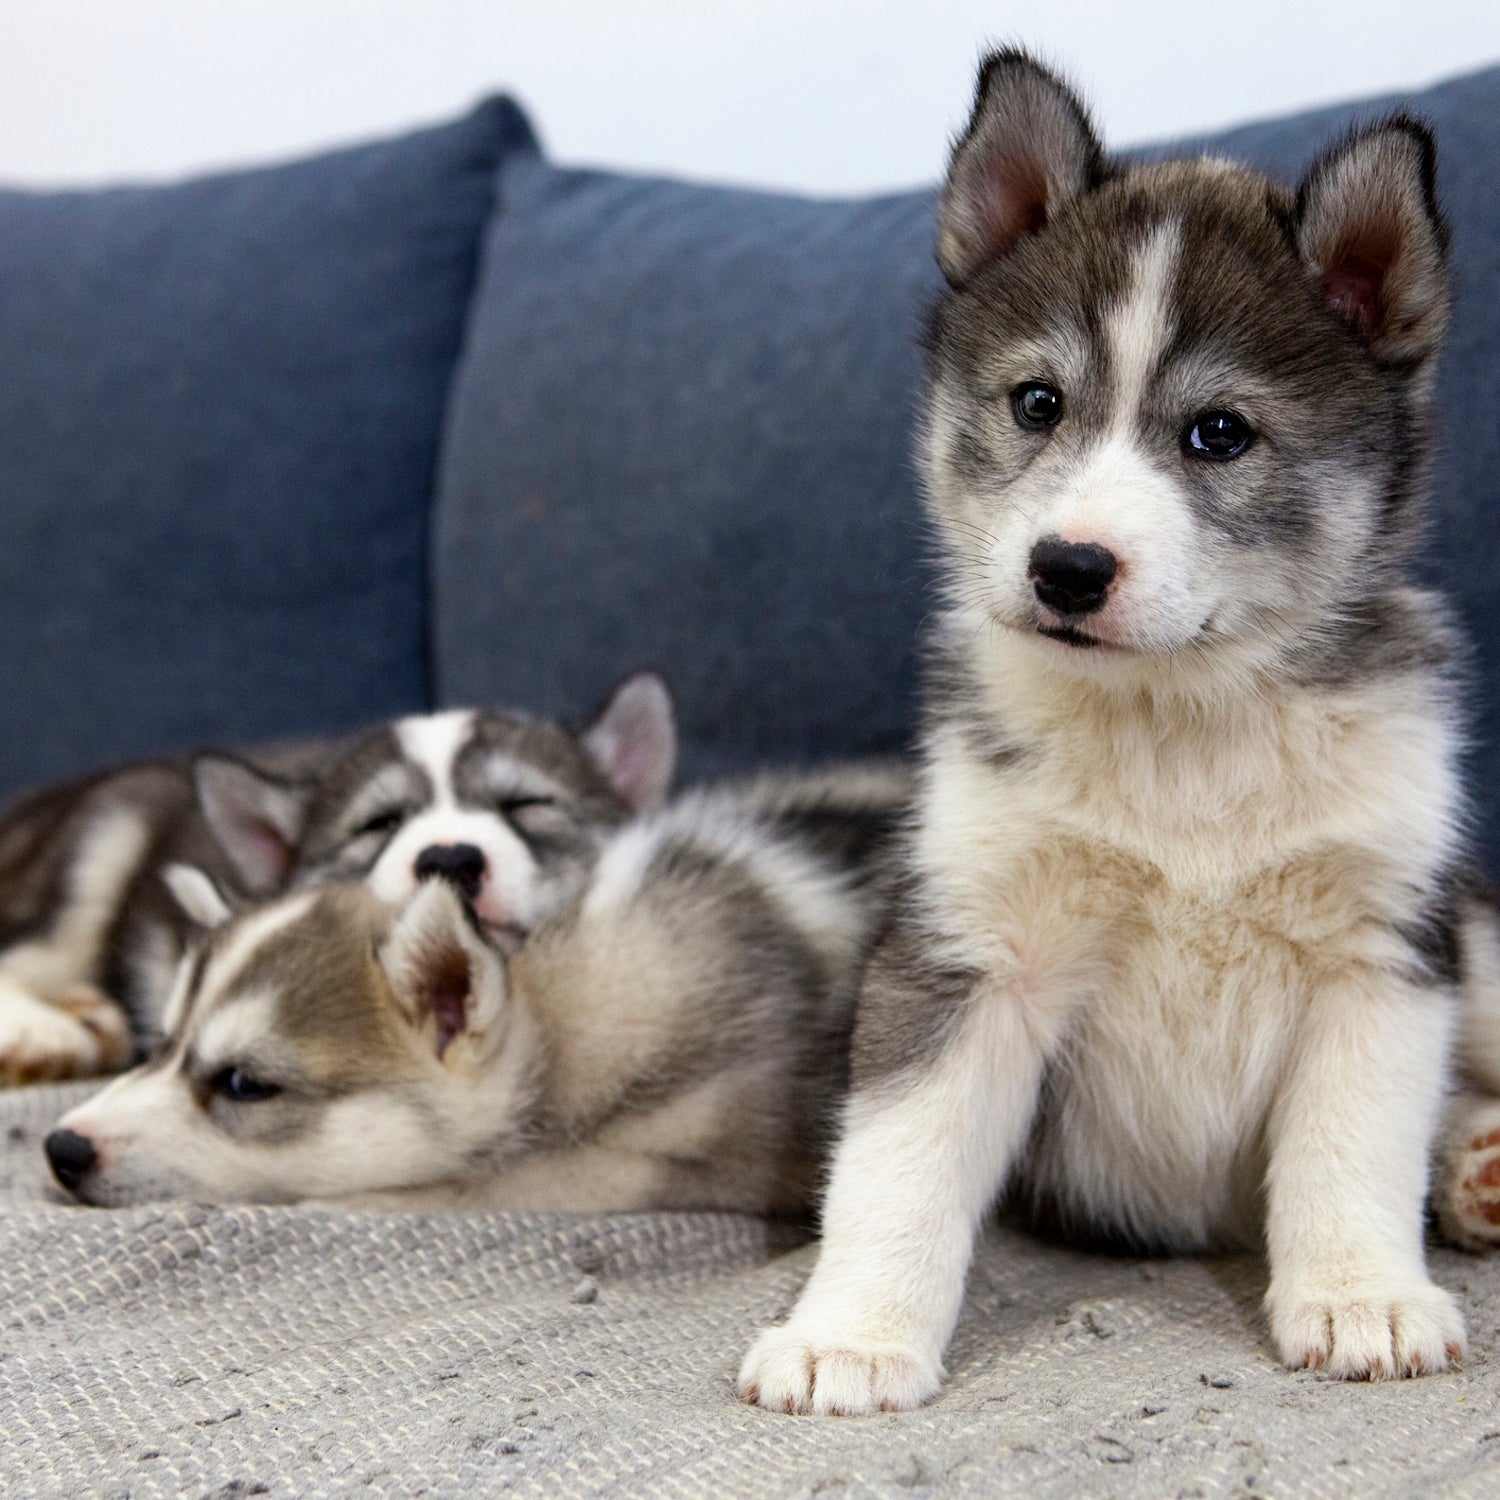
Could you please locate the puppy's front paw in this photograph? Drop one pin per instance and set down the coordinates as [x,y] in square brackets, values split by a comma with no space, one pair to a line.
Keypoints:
[789,1372]
[1377,1329]
[41,1042]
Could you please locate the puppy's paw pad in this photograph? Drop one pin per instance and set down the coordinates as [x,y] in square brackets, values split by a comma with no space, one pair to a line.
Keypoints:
[1375,1334]
[1470,1202]
[790,1373]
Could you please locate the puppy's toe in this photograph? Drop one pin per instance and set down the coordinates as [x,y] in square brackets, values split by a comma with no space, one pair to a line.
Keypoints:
[1427,1332]
[834,1377]
[1378,1331]
[777,1373]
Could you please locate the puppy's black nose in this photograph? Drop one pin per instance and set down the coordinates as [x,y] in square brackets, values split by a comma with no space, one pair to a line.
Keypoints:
[463,864]
[1072,577]
[70,1156]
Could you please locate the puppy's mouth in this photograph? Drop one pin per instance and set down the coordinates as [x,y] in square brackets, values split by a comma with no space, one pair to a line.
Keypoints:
[507,936]
[490,906]
[1070,636]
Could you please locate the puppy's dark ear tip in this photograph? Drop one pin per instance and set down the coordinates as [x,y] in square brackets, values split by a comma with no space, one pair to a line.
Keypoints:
[1424,137]
[1404,141]
[1412,125]
[1002,60]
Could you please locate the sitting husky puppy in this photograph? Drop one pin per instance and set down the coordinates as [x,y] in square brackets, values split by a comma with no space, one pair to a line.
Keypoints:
[1179,957]
[674,1037]
[511,808]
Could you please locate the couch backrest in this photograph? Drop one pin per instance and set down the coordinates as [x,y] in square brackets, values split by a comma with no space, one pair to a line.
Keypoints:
[219,415]
[682,431]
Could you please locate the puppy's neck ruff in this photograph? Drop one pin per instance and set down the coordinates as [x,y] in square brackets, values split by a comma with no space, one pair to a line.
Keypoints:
[1207,778]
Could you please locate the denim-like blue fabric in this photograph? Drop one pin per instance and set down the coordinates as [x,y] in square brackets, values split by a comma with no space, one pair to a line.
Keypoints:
[681,436]
[220,404]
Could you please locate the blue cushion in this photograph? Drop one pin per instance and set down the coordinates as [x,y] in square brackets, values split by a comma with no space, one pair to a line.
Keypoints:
[219,413]
[681,436]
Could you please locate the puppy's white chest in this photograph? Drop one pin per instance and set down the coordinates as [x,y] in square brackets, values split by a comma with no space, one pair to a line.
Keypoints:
[1153,1120]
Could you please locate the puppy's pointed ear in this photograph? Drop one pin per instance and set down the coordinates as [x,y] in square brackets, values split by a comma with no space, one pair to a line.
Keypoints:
[197,895]
[633,740]
[448,981]
[1029,148]
[256,818]
[1369,228]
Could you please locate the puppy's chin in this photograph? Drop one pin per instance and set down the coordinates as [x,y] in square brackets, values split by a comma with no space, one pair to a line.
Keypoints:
[1100,652]
[1097,636]
[109,1192]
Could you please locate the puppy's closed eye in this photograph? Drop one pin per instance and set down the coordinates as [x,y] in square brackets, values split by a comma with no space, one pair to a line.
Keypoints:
[382,822]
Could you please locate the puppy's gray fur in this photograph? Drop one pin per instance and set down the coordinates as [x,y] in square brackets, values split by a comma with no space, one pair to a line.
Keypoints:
[89,938]
[673,1037]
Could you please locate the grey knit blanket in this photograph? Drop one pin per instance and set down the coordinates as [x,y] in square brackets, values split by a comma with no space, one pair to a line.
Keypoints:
[193,1351]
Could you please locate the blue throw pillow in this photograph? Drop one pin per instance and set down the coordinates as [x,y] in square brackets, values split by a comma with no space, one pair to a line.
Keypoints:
[219,413]
[682,436]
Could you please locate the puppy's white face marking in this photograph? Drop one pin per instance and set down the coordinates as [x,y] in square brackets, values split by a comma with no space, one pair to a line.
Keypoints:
[1139,327]
[433,741]
[508,894]
[155,1141]
[226,965]
[174,1012]
[230,1030]
[1104,484]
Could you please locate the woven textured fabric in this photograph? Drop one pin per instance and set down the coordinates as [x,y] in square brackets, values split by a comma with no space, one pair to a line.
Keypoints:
[288,1352]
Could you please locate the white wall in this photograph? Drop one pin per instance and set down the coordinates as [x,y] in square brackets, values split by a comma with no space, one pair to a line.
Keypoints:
[824,95]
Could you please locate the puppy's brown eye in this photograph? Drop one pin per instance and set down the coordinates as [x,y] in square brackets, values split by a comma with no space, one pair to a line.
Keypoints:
[1037,404]
[242,1086]
[386,822]
[1217,435]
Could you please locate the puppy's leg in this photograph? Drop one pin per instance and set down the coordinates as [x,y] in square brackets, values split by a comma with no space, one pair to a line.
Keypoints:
[922,1155]
[1350,1140]
[80,1034]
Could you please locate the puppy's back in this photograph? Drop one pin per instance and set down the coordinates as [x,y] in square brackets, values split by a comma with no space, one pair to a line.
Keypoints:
[697,999]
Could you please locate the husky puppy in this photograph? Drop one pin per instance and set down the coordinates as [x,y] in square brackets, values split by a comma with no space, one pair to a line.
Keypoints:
[1179,960]
[673,1037]
[511,808]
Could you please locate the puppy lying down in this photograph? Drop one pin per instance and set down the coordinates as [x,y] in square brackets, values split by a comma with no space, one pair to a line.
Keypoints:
[674,1038]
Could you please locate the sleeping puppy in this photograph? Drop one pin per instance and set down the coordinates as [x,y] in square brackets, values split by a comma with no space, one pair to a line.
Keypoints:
[509,807]
[673,1037]
[1185,945]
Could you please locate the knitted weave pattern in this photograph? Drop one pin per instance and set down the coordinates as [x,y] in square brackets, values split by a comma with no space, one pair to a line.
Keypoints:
[184,1350]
